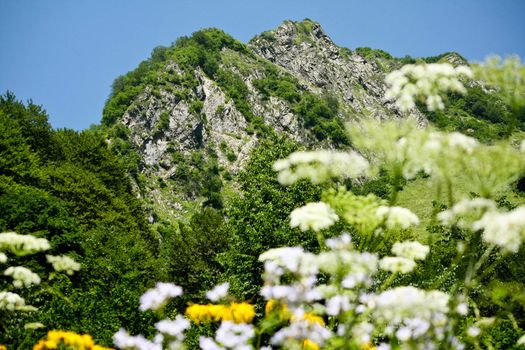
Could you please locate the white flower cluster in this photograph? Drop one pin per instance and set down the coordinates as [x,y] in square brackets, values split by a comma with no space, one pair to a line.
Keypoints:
[218,292]
[506,230]
[157,297]
[11,301]
[397,217]
[410,314]
[22,244]
[466,211]
[22,276]
[426,82]
[313,216]
[230,335]
[426,151]
[63,263]
[397,264]
[320,166]
[3,258]
[124,340]
[299,331]
[411,250]
[278,262]
[172,332]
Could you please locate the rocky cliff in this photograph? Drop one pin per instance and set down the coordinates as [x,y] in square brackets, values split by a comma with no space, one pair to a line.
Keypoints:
[194,111]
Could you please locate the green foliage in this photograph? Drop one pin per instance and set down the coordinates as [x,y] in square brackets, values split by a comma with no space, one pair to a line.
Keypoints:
[188,253]
[202,50]
[319,114]
[197,175]
[372,54]
[478,113]
[259,217]
[77,195]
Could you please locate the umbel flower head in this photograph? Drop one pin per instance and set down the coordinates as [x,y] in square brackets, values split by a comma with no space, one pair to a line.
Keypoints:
[157,297]
[22,244]
[313,216]
[426,82]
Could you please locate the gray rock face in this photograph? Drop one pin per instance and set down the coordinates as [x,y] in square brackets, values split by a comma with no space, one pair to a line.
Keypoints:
[305,50]
[164,120]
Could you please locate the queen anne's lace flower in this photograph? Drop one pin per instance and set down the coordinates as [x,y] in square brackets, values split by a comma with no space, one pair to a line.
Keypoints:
[411,250]
[173,328]
[426,82]
[313,216]
[506,230]
[63,263]
[124,340]
[234,335]
[22,276]
[11,301]
[320,166]
[155,298]
[397,217]
[218,292]
[22,244]
[466,211]
[397,264]
[409,313]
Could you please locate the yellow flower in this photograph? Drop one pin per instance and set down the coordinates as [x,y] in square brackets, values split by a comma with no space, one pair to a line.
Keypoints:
[3,347]
[236,312]
[368,346]
[71,339]
[242,312]
[310,317]
[274,306]
[310,345]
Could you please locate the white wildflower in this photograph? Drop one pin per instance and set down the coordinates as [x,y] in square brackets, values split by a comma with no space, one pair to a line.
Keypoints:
[462,309]
[174,328]
[301,330]
[11,301]
[521,341]
[343,242]
[22,276]
[426,81]
[409,313]
[63,263]
[22,244]
[206,343]
[320,166]
[397,217]
[3,258]
[157,297]
[410,250]
[234,336]
[218,292]
[337,304]
[459,141]
[466,211]
[362,332]
[506,230]
[473,331]
[313,216]
[397,264]
[123,340]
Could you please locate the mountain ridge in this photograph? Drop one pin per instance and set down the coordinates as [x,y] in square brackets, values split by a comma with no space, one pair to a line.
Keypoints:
[213,95]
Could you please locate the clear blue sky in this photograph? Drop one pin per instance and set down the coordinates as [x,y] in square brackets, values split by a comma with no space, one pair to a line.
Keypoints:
[64,54]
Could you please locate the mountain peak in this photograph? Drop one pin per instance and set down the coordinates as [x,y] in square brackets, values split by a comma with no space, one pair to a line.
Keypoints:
[294,32]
